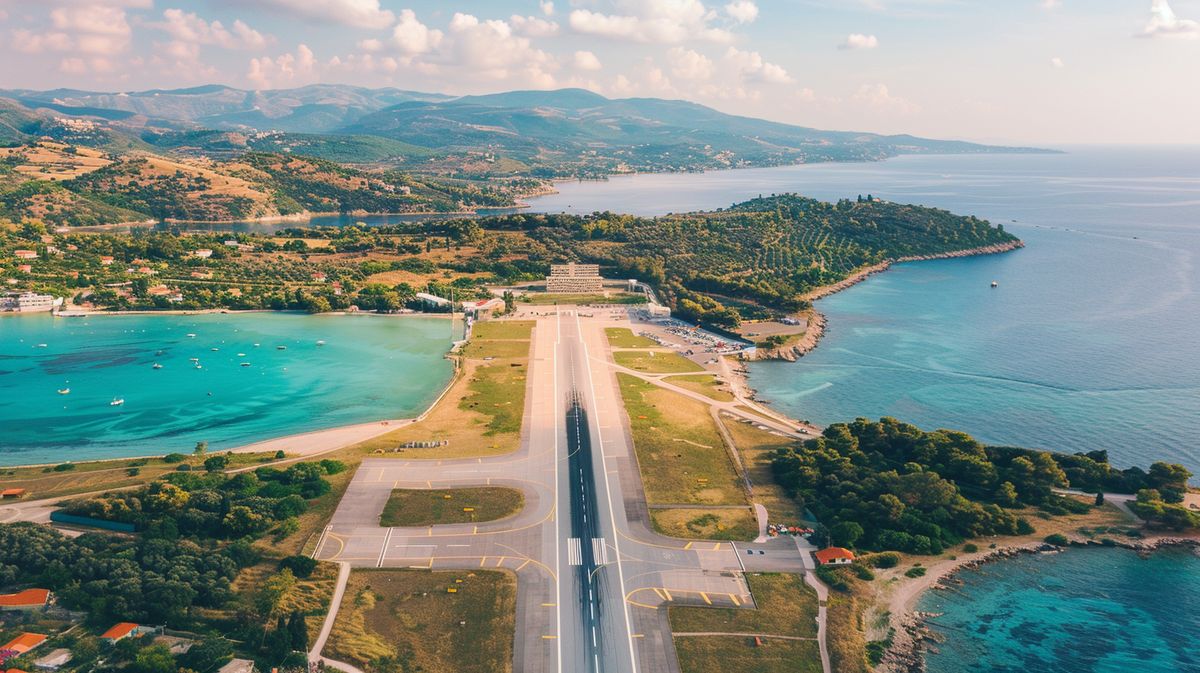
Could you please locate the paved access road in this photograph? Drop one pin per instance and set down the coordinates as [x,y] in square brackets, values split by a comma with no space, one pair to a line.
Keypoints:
[592,577]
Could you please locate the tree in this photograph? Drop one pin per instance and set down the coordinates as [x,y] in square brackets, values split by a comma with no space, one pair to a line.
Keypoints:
[216,463]
[298,630]
[279,642]
[273,591]
[1099,499]
[845,533]
[153,659]
[200,450]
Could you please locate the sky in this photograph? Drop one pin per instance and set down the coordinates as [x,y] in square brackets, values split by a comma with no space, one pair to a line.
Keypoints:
[1049,72]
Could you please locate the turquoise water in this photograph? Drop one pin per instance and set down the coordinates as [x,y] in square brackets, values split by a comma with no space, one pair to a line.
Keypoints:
[1089,342]
[371,368]
[1081,611]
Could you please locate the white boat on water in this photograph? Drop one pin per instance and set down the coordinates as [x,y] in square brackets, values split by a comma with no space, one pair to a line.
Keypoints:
[191,335]
[320,342]
[245,364]
[64,391]
[117,401]
[41,346]
[281,348]
[156,366]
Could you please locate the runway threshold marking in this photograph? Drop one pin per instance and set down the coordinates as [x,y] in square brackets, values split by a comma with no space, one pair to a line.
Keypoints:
[384,548]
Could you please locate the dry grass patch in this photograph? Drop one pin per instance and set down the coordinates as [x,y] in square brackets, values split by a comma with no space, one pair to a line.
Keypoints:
[680,453]
[730,654]
[756,446]
[735,523]
[406,620]
[503,329]
[705,384]
[656,362]
[411,507]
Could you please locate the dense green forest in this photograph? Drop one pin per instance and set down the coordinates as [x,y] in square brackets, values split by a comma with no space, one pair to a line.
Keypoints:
[887,485]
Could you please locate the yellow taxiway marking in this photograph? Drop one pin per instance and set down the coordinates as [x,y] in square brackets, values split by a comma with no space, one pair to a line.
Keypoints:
[428,483]
[716,546]
[659,592]
[527,562]
[475,530]
[638,635]
[735,600]
[549,605]
[667,593]
[688,545]
[549,637]
[482,561]
[500,561]
[705,597]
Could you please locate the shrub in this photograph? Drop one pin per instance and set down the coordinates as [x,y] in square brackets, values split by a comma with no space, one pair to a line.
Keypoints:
[301,566]
[133,471]
[863,572]
[184,467]
[1057,539]
[333,466]
[887,559]
[970,548]
[915,571]
[64,467]
[174,458]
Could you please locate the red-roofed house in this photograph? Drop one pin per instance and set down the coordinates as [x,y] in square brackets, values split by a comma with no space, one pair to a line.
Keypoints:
[25,268]
[120,632]
[319,277]
[12,493]
[834,556]
[29,599]
[24,642]
[106,260]
[26,254]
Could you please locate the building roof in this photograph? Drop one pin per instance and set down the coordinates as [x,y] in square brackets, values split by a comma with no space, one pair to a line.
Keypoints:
[833,554]
[6,493]
[55,659]
[237,666]
[29,596]
[120,630]
[24,642]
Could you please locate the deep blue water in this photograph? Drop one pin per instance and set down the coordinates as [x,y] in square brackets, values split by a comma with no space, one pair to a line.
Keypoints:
[1081,611]
[1091,340]
[370,368]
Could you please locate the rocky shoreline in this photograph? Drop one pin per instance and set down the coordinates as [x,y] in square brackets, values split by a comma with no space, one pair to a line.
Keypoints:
[817,322]
[913,637]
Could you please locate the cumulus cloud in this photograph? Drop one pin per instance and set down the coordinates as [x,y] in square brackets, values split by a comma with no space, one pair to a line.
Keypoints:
[533,26]
[859,41]
[742,11]
[291,69]
[1164,23]
[358,13]
[547,7]
[878,96]
[688,64]
[490,49]
[189,28]
[658,21]
[1056,62]
[586,60]
[753,67]
[413,37]
[94,33]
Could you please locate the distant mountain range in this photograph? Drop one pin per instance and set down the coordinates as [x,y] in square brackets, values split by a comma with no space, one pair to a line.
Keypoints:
[568,132]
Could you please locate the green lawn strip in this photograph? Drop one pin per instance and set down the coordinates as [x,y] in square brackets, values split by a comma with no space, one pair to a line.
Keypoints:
[786,606]
[412,507]
[547,299]
[503,329]
[408,620]
[705,384]
[498,391]
[706,524]
[680,453]
[623,337]
[731,654]
[653,362]
[479,349]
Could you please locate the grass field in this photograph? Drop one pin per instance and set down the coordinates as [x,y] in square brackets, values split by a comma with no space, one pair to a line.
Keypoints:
[409,507]
[786,607]
[503,329]
[655,362]
[679,450]
[706,524]
[310,595]
[547,299]
[47,482]
[755,447]
[730,654]
[705,384]
[405,620]
[623,337]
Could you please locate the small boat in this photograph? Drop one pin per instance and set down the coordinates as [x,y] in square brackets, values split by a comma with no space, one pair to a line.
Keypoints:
[156,366]
[191,335]
[117,401]
[41,346]
[995,284]
[320,342]
[214,349]
[256,345]
[194,359]
[245,364]
[241,355]
[64,391]
[281,348]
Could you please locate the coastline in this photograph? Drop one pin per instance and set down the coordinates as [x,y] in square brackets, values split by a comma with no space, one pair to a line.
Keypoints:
[911,634]
[817,323]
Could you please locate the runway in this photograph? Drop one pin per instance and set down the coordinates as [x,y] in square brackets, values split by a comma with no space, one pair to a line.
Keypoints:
[592,577]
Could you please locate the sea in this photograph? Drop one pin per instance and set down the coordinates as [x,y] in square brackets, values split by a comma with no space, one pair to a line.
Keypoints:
[1089,610]
[1091,339]
[368,368]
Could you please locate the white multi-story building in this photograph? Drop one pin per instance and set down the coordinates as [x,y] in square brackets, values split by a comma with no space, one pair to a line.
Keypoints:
[574,278]
[28,302]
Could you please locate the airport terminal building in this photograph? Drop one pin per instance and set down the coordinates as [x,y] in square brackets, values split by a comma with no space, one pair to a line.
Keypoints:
[575,279]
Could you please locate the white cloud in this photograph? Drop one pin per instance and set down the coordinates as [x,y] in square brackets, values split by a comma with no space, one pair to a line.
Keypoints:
[414,37]
[292,69]
[742,11]
[189,28]
[1051,4]
[752,66]
[1164,23]
[29,42]
[1057,62]
[533,26]
[689,65]
[490,50]
[547,7]
[658,21]
[878,96]
[358,13]
[859,41]
[95,32]
[586,60]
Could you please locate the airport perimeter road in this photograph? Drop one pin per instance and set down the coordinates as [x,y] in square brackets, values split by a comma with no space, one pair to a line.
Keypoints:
[592,577]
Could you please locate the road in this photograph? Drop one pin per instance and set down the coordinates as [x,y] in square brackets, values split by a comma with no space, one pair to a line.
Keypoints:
[591,575]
